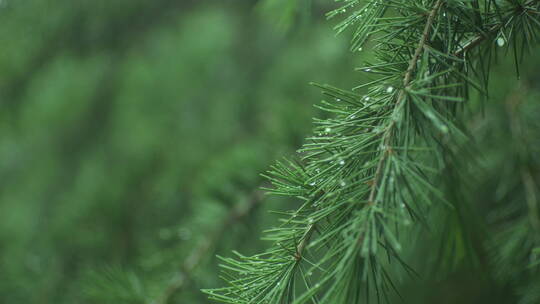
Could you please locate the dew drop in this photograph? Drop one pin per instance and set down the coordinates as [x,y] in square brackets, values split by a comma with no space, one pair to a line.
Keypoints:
[500,41]
[338,99]
[342,184]
[444,129]
[327,130]
[359,49]
[367,98]
[367,70]
[312,184]
[310,273]
[342,162]
[390,89]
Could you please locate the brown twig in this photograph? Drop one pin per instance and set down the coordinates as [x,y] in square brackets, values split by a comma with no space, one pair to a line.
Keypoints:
[303,244]
[205,245]
[406,84]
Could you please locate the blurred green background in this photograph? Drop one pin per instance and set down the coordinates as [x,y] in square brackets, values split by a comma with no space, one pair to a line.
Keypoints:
[130,129]
[133,134]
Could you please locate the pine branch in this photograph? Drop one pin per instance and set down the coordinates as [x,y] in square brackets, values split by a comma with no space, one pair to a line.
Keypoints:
[406,85]
[476,41]
[365,176]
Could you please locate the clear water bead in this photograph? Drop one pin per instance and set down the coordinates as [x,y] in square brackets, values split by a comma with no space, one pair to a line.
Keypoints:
[390,89]
[342,162]
[501,41]
[327,130]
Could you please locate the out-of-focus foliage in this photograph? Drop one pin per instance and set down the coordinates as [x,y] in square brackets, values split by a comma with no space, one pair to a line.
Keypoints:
[385,181]
[133,133]
[129,129]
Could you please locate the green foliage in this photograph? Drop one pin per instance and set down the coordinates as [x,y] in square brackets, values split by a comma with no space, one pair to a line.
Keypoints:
[129,130]
[372,173]
[133,134]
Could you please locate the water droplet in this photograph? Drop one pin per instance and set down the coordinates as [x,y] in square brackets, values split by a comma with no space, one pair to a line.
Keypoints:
[359,49]
[342,162]
[501,41]
[343,10]
[310,273]
[402,205]
[312,184]
[444,129]
[367,70]
[367,98]
[327,130]
[338,99]
[342,183]
[390,89]
[310,221]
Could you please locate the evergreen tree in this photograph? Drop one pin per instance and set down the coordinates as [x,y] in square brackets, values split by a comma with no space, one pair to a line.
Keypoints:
[416,172]
[133,134]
